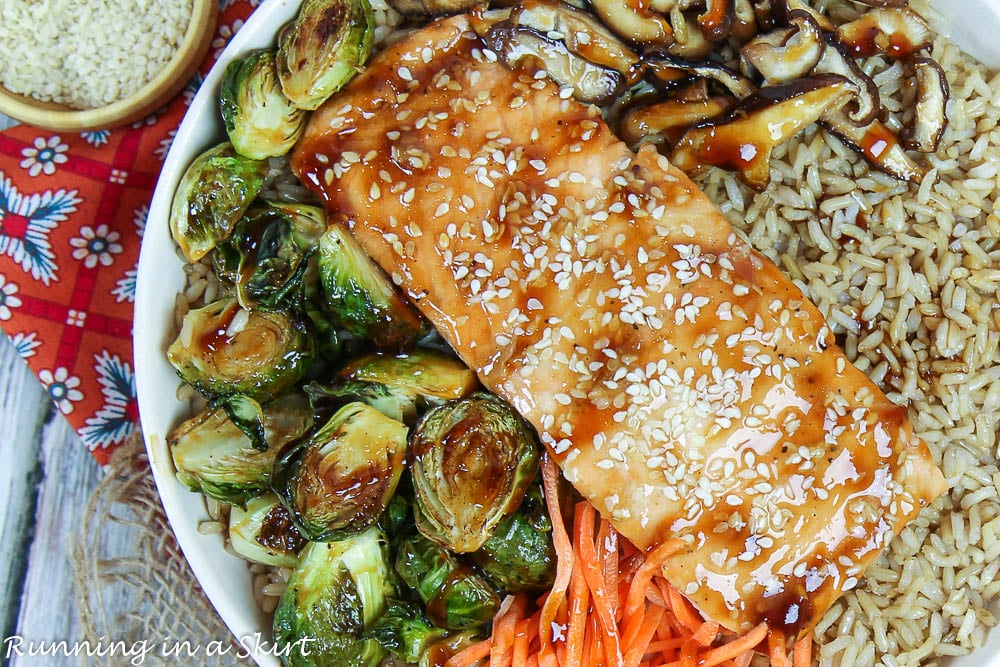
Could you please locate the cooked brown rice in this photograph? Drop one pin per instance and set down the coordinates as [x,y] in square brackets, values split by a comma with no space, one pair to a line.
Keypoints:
[909,278]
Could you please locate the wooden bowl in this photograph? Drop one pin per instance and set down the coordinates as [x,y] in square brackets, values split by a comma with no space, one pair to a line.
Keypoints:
[151,96]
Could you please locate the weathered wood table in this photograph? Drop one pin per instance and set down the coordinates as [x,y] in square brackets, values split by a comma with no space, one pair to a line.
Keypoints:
[46,478]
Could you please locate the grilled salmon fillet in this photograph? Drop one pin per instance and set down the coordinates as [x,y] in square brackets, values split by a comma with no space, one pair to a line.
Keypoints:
[685,386]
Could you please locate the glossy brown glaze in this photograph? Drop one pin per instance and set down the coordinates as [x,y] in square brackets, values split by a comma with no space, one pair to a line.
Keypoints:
[685,385]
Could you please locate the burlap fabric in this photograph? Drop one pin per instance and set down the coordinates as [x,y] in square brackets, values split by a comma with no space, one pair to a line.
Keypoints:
[145,574]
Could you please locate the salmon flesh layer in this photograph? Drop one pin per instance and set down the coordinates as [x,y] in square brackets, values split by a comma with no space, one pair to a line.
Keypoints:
[685,386]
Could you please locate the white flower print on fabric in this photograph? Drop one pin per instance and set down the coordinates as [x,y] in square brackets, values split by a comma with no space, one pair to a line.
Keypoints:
[223,36]
[44,155]
[25,343]
[8,297]
[62,388]
[95,246]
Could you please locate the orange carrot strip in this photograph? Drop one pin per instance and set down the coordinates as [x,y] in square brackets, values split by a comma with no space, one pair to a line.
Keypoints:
[579,604]
[735,648]
[651,566]
[683,610]
[706,634]
[802,651]
[607,548]
[470,655]
[776,649]
[594,573]
[663,645]
[522,642]
[640,643]
[556,598]
[511,611]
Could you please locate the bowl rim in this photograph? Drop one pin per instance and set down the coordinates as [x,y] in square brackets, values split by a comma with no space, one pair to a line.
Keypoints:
[150,96]
[159,279]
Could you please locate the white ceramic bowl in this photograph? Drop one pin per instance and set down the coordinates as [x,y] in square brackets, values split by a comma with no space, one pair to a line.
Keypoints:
[224,578]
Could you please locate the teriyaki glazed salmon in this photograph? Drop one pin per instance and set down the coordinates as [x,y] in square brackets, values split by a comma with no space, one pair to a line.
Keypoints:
[686,387]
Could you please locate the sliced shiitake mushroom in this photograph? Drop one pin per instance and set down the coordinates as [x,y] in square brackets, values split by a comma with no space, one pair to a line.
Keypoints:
[877,143]
[482,18]
[658,60]
[521,47]
[897,32]
[929,115]
[637,24]
[666,121]
[742,141]
[579,31]
[744,22]
[882,3]
[866,103]
[421,8]
[689,42]
[784,8]
[717,20]
[786,53]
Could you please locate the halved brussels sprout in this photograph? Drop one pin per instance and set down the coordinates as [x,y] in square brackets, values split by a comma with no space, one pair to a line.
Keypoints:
[260,121]
[213,456]
[456,596]
[393,402]
[335,593]
[405,631]
[213,194]
[267,256]
[425,372]
[224,349]
[473,460]
[520,555]
[339,481]
[263,532]
[361,298]
[323,49]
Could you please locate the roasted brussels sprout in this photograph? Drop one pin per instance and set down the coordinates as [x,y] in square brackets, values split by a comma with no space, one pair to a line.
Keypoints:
[267,257]
[393,402]
[262,532]
[214,193]
[248,416]
[213,456]
[224,349]
[323,49]
[520,555]
[335,593]
[405,631]
[456,596]
[424,372]
[260,121]
[473,460]
[339,481]
[361,298]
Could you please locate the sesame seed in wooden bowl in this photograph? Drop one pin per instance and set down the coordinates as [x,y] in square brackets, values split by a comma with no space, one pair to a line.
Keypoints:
[75,65]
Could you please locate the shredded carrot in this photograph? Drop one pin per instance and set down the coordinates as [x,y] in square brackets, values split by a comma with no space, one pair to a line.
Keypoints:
[776,649]
[802,651]
[610,605]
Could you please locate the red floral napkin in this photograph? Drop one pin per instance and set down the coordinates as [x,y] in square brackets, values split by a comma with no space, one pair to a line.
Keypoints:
[72,212]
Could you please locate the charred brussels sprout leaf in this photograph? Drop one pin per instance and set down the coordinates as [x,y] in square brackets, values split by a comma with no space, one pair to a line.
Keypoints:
[335,593]
[456,596]
[393,402]
[520,555]
[213,456]
[214,193]
[424,372]
[473,460]
[340,480]
[361,298]
[323,49]
[405,631]
[248,416]
[260,121]
[262,532]
[223,349]
[267,257]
